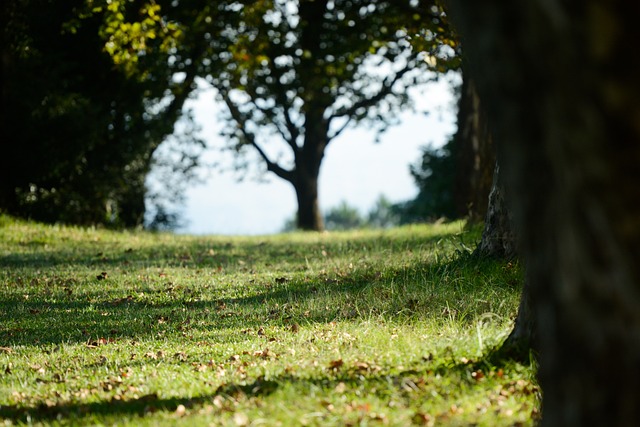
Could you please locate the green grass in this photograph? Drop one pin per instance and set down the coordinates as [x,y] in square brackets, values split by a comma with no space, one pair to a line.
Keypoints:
[353,328]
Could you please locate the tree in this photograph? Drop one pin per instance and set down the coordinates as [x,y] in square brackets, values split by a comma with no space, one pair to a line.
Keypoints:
[383,214]
[434,176]
[473,155]
[561,92]
[454,181]
[299,73]
[82,134]
[343,217]
[498,237]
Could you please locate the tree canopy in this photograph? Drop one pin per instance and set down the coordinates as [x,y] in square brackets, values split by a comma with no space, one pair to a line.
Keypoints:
[80,132]
[293,74]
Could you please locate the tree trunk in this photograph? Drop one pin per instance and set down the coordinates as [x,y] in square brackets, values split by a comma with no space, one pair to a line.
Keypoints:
[499,241]
[474,155]
[560,83]
[309,217]
[308,162]
[498,237]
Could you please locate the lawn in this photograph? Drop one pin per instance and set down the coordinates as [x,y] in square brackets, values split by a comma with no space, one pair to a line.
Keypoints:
[367,327]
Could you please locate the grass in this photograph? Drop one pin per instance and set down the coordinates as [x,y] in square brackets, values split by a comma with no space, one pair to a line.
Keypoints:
[353,328]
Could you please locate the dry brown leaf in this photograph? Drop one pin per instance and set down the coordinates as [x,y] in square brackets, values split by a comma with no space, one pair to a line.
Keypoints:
[336,364]
[477,375]
[181,356]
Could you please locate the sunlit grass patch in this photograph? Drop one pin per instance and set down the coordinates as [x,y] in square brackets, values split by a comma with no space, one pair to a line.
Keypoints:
[354,328]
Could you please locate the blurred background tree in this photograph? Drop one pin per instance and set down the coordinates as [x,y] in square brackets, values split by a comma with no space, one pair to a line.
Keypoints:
[86,133]
[81,132]
[294,74]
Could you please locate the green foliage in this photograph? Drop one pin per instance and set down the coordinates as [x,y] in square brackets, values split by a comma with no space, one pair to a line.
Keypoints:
[293,75]
[383,214]
[82,133]
[363,327]
[343,217]
[434,176]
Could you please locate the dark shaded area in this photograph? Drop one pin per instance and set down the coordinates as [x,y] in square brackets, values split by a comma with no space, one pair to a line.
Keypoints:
[454,181]
[78,132]
[561,89]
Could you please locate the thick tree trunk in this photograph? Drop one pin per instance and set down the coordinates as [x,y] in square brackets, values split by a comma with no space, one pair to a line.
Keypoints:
[308,162]
[474,155]
[131,206]
[309,216]
[499,241]
[560,83]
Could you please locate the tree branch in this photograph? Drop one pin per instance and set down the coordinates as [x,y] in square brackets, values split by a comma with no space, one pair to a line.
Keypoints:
[339,131]
[386,89]
[281,99]
[237,115]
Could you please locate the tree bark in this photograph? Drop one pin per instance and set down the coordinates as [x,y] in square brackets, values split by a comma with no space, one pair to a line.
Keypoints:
[309,217]
[498,237]
[560,83]
[474,155]
[307,170]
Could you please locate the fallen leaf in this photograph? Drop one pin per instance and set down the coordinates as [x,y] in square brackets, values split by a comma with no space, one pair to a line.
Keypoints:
[423,419]
[181,411]
[240,419]
[181,356]
[336,364]
[362,366]
[477,375]
[218,402]
[265,354]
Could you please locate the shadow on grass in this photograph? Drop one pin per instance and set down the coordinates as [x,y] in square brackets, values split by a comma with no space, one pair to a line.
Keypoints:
[204,252]
[417,290]
[421,378]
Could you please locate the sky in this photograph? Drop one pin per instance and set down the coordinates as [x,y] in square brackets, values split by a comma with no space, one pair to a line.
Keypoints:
[355,169]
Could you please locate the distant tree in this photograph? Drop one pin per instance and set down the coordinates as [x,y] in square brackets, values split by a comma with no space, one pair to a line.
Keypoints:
[297,73]
[454,181]
[473,155]
[343,217]
[434,176]
[383,214]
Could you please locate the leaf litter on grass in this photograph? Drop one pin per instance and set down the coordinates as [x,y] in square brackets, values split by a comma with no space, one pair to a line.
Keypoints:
[353,328]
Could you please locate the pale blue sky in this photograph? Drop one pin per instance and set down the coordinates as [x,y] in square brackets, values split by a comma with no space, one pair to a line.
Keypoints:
[222,205]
